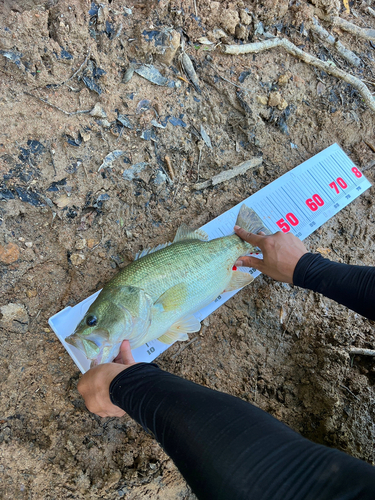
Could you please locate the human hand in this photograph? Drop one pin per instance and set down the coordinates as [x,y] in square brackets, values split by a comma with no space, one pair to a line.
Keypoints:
[281,252]
[94,385]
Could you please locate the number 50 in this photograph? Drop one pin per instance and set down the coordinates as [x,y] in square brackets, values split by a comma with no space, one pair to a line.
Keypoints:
[291,218]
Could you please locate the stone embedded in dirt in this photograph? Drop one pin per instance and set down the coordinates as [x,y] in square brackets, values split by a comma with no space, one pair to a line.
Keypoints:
[14,318]
[77,259]
[274,99]
[283,79]
[283,105]
[80,244]
[9,253]
[31,293]
[91,243]
[262,99]
[98,112]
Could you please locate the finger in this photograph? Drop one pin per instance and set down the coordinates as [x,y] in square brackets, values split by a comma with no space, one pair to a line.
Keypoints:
[247,261]
[254,239]
[126,353]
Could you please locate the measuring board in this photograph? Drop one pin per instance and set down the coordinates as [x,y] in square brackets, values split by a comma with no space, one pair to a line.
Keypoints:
[300,201]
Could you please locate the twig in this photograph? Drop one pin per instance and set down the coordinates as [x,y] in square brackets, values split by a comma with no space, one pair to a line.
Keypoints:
[330,68]
[368,34]
[79,69]
[183,348]
[56,107]
[229,174]
[370,11]
[341,49]
[226,80]
[169,166]
[350,392]
[362,352]
[195,8]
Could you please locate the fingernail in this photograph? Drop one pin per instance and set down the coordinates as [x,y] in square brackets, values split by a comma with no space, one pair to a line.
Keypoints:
[236,227]
[239,263]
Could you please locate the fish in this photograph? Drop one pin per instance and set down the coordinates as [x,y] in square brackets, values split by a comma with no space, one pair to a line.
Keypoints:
[156,296]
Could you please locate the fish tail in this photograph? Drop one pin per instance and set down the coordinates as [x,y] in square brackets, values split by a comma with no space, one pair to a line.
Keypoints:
[249,220]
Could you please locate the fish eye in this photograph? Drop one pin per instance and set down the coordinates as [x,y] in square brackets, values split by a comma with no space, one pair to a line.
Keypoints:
[91,320]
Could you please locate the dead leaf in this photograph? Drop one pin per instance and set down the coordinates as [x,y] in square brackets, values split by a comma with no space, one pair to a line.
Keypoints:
[346,5]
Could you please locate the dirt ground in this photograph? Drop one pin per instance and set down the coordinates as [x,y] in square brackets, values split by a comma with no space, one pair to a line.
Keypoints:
[66,228]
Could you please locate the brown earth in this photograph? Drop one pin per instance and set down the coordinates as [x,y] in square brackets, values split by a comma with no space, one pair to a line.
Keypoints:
[65,227]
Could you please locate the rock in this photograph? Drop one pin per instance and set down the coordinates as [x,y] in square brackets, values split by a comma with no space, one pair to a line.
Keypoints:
[283,105]
[274,99]
[80,244]
[98,112]
[31,293]
[9,253]
[28,244]
[283,79]
[77,259]
[85,136]
[262,99]
[14,318]
[91,243]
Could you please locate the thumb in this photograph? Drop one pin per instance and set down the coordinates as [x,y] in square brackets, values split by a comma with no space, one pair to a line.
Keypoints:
[125,355]
[250,262]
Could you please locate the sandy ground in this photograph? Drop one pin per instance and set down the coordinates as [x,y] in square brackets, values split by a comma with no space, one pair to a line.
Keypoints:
[66,228]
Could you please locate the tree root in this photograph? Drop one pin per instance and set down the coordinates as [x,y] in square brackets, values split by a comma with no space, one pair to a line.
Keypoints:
[324,36]
[329,67]
[368,34]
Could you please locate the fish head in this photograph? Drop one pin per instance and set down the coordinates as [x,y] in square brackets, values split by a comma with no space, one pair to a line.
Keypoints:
[101,331]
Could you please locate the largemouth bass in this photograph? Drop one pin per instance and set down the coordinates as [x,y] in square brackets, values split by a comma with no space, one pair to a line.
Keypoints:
[156,296]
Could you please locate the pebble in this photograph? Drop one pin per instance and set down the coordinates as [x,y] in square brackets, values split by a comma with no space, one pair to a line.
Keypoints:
[80,244]
[31,293]
[28,244]
[262,99]
[77,259]
[283,79]
[274,99]
[14,318]
[91,243]
[98,112]
[283,105]
[9,253]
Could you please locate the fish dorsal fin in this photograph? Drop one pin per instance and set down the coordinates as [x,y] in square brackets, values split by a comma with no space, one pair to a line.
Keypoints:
[180,329]
[238,280]
[173,298]
[185,233]
[147,251]
[249,220]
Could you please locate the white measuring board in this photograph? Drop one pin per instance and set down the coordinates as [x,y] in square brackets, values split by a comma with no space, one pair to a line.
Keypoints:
[300,201]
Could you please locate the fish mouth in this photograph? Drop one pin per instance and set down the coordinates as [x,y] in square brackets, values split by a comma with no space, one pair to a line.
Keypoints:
[91,345]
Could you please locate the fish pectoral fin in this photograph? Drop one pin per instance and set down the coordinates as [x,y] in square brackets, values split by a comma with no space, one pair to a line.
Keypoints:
[173,298]
[185,233]
[238,280]
[249,220]
[180,329]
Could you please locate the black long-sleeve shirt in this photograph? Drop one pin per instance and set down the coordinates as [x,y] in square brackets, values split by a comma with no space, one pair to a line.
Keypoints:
[228,449]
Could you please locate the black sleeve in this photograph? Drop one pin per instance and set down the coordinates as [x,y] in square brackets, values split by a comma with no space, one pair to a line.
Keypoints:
[352,286]
[228,449]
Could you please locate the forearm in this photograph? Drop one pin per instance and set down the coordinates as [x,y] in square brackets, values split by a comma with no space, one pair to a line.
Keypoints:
[227,448]
[352,286]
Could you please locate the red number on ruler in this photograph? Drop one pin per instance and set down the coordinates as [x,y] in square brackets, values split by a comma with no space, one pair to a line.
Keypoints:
[340,181]
[356,172]
[283,225]
[333,186]
[291,218]
[315,202]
